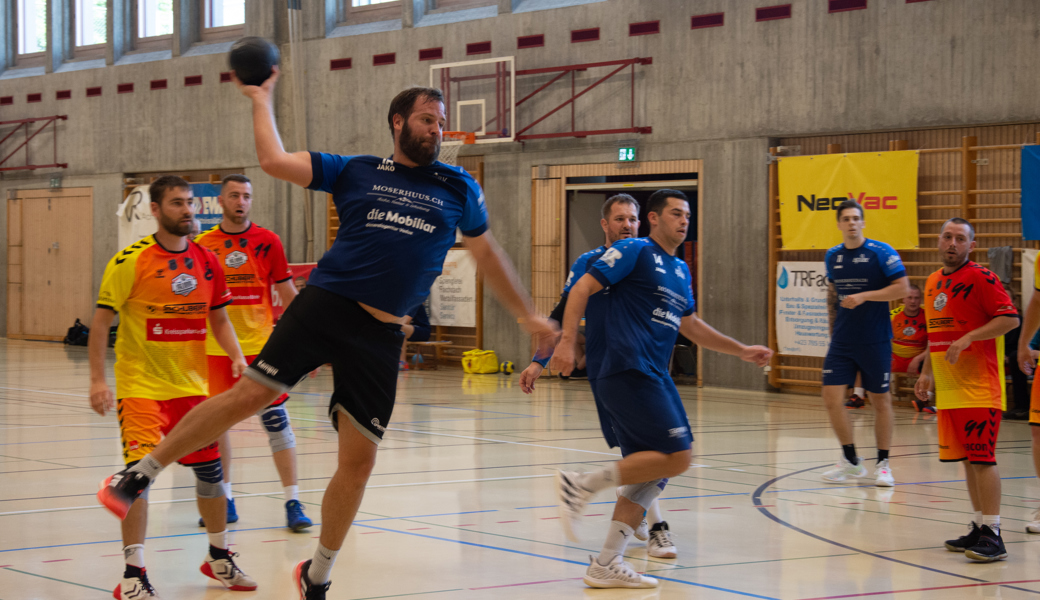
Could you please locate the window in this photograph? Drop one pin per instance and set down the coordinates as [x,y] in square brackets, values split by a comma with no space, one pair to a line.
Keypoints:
[223,20]
[447,5]
[352,12]
[91,30]
[32,31]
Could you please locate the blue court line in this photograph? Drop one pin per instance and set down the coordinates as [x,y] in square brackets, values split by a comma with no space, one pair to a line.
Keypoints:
[756,498]
[563,560]
[471,410]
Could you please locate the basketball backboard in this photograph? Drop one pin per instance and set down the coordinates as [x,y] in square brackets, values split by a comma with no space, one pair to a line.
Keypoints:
[479,97]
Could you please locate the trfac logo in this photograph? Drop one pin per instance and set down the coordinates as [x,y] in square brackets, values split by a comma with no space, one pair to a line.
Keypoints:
[236,259]
[940,302]
[184,284]
[610,257]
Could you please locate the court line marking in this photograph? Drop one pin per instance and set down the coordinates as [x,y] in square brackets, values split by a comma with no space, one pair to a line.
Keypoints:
[467,437]
[927,589]
[756,499]
[411,594]
[89,587]
[471,410]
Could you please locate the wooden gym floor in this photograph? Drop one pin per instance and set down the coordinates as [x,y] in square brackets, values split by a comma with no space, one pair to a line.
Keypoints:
[461,503]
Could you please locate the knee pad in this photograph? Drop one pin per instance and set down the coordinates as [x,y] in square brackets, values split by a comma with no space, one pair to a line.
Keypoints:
[209,479]
[144,494]
[644,494]
[279,431]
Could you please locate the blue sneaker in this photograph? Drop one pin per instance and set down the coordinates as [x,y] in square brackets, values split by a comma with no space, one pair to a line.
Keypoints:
[232,514]
[294,515]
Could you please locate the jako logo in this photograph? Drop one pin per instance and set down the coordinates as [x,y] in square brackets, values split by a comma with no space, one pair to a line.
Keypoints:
[868,202]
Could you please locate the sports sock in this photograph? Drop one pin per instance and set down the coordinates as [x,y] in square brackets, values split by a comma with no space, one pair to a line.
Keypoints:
[653,514]
[292,492]
[595,481]
[227,489]
[218,540]
[321,565]
[978,518]
[882,455]
[132,571]
[850,453]
[993,522]
[149,467]
[859,392]
[617,539]
[134,555]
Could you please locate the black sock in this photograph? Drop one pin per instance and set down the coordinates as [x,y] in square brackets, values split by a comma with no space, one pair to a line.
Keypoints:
[882,455]
[218,552]
[850,453]
[132,571]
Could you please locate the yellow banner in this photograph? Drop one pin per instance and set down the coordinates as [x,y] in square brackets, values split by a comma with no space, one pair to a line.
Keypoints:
[812,187]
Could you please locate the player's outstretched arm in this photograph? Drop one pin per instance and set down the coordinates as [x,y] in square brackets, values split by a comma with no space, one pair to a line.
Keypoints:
[224,331]
[101,398]
[706,336]
[899,288]
[499,274]
[1030,323]
[577,300]
[274,160]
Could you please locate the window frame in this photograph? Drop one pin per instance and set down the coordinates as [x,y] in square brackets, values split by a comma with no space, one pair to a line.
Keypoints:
[86,51]
[224,33]
[146,44]
[355,15]
[441,6]
[29,59]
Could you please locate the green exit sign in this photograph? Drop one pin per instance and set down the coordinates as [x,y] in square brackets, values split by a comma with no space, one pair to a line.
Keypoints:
[626,154]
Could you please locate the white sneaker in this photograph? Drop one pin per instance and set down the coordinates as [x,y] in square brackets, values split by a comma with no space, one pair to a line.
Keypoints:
[573,499]
[617,574]
[135,588]
[660,544]
[227,573]
[1034,525]
[845,471]
[883,475]
[642,533]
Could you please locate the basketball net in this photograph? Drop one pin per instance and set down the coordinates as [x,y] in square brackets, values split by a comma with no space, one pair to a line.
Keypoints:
[451,143]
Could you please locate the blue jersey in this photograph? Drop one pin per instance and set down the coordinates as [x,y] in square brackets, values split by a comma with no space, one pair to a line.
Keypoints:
[578,269]
[396,224]
[872,266]
[638,319]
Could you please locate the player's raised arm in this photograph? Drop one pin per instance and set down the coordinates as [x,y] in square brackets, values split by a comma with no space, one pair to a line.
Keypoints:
[293,167]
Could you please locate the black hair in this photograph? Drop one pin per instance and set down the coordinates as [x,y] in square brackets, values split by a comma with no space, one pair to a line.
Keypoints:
[618,199]
[960,221]
[659,200]
[403,103]
[158,188]
[850,203]
[236,177]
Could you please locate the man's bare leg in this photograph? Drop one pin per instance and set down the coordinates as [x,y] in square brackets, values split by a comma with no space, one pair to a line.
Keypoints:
[135,525]
[285,463]
[640,467]
[834,402]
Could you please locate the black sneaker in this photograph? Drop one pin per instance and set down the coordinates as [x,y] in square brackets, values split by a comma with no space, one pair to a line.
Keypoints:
[989,547]
[308,590]
[965,541]
[119,491]
[855,401]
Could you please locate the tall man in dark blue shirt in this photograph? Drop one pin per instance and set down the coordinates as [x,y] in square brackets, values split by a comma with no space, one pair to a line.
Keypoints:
[864,276]
[398,217]
[646,301]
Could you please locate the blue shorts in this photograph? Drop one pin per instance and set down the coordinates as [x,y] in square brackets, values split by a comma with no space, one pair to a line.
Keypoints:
[641,412]
[874,361]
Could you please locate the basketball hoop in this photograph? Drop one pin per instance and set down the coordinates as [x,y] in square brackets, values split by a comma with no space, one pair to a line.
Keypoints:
[452,142]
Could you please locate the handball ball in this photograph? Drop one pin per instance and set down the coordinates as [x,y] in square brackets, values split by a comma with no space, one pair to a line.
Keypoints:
[506,367]
[251,58]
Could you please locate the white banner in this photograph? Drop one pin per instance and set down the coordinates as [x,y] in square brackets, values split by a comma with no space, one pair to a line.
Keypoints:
[453,297]
[1028,284]
[802,328]
[135,217]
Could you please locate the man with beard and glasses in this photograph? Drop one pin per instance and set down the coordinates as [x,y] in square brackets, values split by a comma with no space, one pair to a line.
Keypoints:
[254,261]
[165,289]
[968,312]
[398,216]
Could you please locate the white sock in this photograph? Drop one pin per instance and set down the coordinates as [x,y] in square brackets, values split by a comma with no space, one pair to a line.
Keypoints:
[134,555]
[148,466]
[227,489]
[595,481]
[218,540]
[292,492]
[653,514]
[993,522]
[321,565]
[617,540]
[978,518]
[859,392]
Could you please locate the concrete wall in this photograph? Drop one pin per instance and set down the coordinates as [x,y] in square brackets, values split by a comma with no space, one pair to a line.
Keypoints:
[716,94]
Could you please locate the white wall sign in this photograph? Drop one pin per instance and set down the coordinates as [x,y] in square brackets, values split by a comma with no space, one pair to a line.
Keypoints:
[135,217]
[453,297]
[802,328]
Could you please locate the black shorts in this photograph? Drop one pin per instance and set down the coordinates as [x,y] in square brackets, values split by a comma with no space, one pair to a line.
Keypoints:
[321,327]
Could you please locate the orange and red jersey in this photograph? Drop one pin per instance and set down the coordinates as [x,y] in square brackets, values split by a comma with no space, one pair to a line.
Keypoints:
[909,334]
[252,261]
[163,299]
[955,304]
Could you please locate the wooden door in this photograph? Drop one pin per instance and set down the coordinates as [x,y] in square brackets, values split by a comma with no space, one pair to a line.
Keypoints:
[49,262]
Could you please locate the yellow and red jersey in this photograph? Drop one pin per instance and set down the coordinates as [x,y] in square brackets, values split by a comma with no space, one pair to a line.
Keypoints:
[163,299]
[253,260]
[909,334]
[955,304]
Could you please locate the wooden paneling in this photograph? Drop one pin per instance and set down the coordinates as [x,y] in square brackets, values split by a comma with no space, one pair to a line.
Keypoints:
[14,265]
[968,172]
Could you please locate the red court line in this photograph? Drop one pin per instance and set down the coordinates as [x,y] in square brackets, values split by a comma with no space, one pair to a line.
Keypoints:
[269,541]
[595,515]
[5,566]
[507,521]
[549,518]
[491,587]
[929,589]
[57,560]
[171,550]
